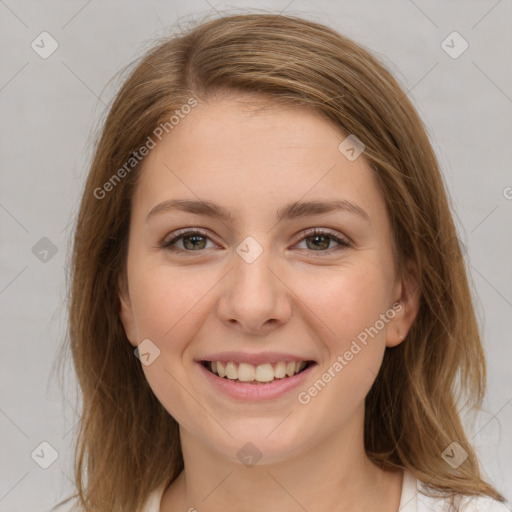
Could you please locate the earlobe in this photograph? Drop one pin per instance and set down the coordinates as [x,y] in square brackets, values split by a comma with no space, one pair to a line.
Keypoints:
[126,312]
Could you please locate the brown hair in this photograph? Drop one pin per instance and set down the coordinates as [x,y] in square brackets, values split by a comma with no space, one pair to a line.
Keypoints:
[128,444]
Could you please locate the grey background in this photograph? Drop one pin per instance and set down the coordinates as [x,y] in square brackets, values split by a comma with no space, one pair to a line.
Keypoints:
[50,108]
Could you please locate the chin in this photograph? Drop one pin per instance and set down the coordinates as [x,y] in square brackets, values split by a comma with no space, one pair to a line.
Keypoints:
[265,440]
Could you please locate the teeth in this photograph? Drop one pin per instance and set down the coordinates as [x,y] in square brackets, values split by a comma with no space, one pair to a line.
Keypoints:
[280,370]
[246,372]
[231,371]
[264,373]
[267,372]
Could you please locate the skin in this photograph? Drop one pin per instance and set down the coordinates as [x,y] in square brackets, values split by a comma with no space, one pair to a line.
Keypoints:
[293,298]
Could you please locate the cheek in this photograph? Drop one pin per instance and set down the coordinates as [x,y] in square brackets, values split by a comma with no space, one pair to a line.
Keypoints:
[166,301]
[351,311]
[352,306]
[167,304]
[346,301]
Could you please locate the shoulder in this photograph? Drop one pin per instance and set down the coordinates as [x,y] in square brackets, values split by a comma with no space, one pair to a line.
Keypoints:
[462,504]
[465,504]
[477,504]
[417,497]
[153,502]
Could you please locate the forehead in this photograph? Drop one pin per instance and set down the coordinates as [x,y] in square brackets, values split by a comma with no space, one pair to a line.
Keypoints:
[246,153]
[256,124]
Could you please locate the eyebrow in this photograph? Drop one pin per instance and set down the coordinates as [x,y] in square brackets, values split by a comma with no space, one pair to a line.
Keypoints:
[290,211]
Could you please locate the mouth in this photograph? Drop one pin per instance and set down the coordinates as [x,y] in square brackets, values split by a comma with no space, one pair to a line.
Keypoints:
[262,374]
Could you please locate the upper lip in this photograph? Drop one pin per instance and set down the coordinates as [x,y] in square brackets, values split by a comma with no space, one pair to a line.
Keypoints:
[254,359]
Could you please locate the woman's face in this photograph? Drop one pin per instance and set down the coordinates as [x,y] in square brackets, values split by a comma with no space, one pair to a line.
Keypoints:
[257,291]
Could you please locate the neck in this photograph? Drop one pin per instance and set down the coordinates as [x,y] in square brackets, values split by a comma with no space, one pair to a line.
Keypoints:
[334,474]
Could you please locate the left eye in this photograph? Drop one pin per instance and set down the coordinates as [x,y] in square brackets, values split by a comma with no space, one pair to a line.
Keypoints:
[320,239]
[194,241]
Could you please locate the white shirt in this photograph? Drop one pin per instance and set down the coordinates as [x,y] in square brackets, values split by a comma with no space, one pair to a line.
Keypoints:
[411,500]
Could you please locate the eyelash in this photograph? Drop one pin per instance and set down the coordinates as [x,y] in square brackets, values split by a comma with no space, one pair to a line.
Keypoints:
[343,243]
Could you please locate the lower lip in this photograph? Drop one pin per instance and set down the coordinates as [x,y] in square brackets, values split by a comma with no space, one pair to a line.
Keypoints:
[252,392]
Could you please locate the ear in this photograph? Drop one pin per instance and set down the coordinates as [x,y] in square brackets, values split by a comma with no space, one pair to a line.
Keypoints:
[406,306]
[126,311]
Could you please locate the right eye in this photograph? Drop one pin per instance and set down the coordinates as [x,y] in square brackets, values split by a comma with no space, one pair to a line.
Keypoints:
[192,241]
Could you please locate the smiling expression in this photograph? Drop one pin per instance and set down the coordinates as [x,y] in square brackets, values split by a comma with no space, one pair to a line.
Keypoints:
[235,258]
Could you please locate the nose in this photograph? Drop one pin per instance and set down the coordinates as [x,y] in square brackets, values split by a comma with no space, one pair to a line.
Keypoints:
[255,297]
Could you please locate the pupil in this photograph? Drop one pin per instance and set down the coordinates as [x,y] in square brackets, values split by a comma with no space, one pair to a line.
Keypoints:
[196,238]
[322,246]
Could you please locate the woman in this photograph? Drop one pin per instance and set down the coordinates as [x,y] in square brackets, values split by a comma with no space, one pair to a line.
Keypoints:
[266,228]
